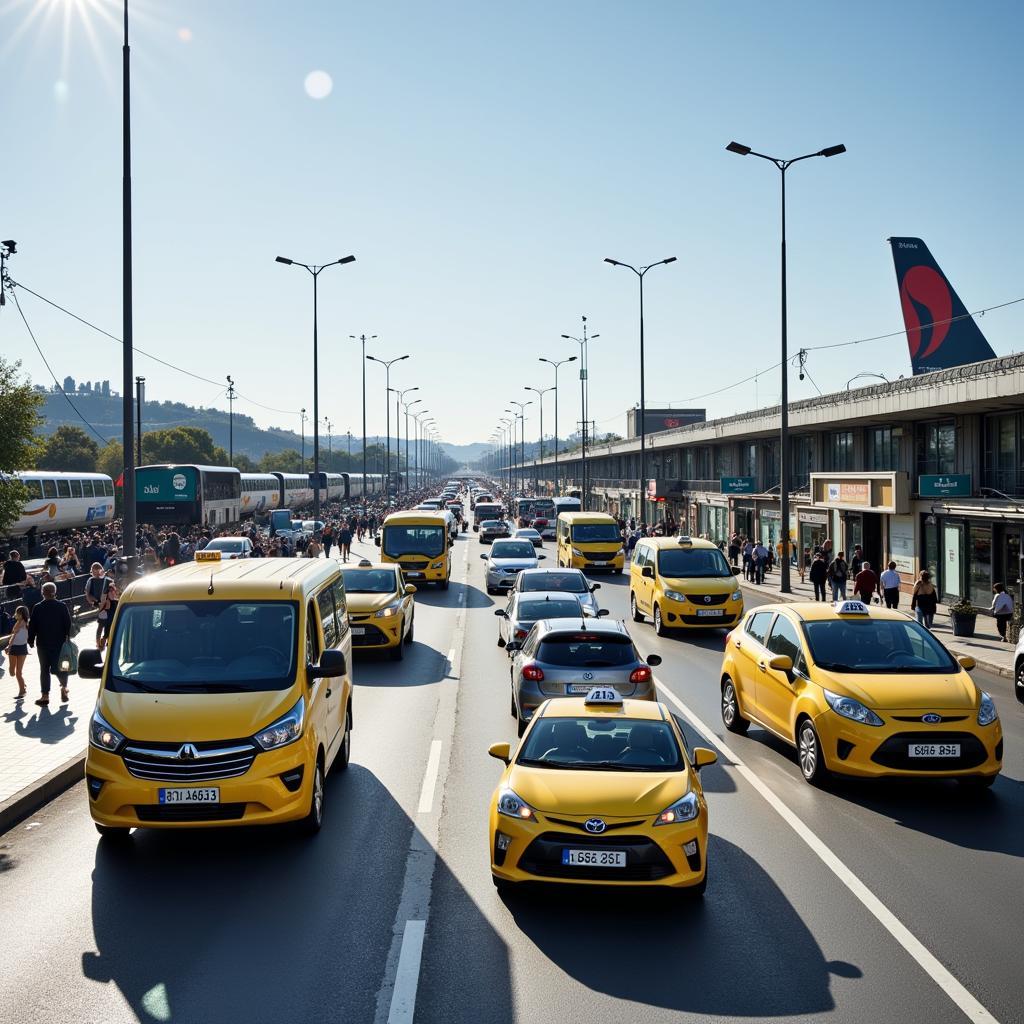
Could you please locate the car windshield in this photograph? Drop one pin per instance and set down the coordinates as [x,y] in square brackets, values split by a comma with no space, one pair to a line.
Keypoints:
[560,608]
[413,540]
[369,581]
[602,744]
[586,532]
[204,647]
[224,545]
[699,563]
[586,650]
[513,549]
[876,645]
[491,524]
[567,582]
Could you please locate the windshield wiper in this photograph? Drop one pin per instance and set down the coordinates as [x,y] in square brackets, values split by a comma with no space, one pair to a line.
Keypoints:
[134,682]
[836,666]
[207,688]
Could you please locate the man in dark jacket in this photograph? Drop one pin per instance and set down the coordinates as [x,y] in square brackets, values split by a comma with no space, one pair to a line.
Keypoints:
[819,574]
[49,626]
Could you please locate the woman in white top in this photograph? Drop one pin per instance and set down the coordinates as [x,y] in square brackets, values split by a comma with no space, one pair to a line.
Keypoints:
[17,648]
[1001,608]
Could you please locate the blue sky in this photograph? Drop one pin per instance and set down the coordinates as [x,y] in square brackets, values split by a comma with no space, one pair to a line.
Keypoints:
[480,160]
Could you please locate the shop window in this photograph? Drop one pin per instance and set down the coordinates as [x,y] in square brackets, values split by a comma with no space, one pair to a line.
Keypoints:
[840,450]
[771,466]
[979,568]
[1002,464]
[936,448]
[883,449]
[801,454]
[750,460]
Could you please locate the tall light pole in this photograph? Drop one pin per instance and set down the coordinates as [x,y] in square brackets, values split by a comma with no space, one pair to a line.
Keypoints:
[522,445]
[506,423]
[127,368]
[400,400]
[416,446]
[231,421]
[424,441]
[783,166]
[315,270]
[556,363]
[363,339]
[140,397]
[302,422]
[387,364]
[330,438]
[584,404]
[640,272]
[408,464]
[540,393]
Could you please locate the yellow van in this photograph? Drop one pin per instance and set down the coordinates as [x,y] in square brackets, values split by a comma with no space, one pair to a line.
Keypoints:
[421,545]
[588,540]
[682,582]
[225,696]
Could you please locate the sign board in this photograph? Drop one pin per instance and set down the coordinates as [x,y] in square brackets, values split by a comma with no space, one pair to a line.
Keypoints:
[770,513]
[656,420]
[165,485]
[817,518]
[850,492]
[652,490]
[951,560]
[902,543]
[739,485]
[944,485]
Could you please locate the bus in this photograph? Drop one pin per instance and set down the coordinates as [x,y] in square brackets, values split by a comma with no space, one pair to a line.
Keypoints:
[421,544]
[186,495]
[62,501]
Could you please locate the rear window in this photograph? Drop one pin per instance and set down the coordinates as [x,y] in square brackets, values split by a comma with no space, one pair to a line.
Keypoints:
[586,650]
[513,549]
[531,611]
[567,582]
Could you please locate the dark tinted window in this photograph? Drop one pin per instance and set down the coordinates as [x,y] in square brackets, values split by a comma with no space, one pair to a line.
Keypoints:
[783,639]
[601,744]
[567,582]
[531,611]
[49,489]
[76,488]
[87,486]
[63,489]
[695,562]
[513,549]
[587,532]
[325,602]
[586,650]
[413,540]
[757,625]
[35,488]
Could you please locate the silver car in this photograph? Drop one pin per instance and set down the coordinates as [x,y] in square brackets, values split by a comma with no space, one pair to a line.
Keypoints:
[523,610]
[506,559]
[562,581]
[566,658]
[491,529]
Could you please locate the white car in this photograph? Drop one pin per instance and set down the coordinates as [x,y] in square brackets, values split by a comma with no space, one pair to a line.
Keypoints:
[231,547]
[530,534]
[507,558]
[1018,669]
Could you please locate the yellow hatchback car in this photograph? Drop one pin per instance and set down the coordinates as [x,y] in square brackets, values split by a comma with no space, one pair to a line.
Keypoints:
[600,791]
[861,691]
[683,583]
[380,607]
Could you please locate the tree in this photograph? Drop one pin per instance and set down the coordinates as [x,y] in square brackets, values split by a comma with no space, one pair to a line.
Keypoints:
[71,449]
[288,461]
[181,444]
[19,446]
[110,459]
[243,463]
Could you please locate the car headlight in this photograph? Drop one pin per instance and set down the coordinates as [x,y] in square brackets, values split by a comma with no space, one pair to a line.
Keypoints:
[578,553]
[391,609]
[987,713]
[682,810]
[737,595]
[674,595]
[514,806]
[287,729]
[437,565]
[852,709]
[102,734]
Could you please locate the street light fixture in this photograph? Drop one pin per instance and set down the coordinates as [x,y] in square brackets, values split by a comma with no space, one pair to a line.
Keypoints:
[415,401]
[363,338]
[522,434]
[640,272]
[387,364]
[540,393]
[556,363]
[314,271]
[400,400]
[783,166]
[584,404]
[506,421]
[302,421]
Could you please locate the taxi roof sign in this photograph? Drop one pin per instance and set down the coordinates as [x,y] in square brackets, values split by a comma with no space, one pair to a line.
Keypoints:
[207,556]
[603,695]
[684,538]
[851,608]
[365,563]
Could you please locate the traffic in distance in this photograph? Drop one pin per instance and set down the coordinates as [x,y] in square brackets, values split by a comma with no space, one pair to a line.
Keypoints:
[233,689]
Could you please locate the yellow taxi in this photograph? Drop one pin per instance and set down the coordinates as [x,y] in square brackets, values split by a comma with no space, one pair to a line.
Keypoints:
[420,543]
[588,540]
[683,583]
[859,690]
[225,696]
[600,791]
[380,607]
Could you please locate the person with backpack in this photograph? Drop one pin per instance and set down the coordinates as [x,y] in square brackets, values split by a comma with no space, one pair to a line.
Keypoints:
[838,572]
[96,590]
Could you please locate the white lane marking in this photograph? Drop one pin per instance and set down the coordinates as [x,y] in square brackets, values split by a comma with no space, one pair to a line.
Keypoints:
[942,977]
[407,977]
[430,778]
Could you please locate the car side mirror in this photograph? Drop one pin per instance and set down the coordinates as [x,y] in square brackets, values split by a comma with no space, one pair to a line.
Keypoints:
[702,757]
[512,646]
[502,751]
[654,660]
[601,612]
[90,664]
[484,557]
[735,570]
[410,588]
[648,572]
[540,558]
[501,613]
[965,661]
[781,663]
[595,586]
[332,664]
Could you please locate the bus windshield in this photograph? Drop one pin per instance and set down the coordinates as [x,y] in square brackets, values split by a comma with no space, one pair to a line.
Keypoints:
[586,532]
[413,540]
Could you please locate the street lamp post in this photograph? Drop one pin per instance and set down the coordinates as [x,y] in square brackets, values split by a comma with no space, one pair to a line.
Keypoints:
[416,445]
[387,364]
[400,400]
[584,404]
[783,166]
[330,440]
[408,464]
[506,421]
[362,338]
[540,393]
[315,270]
[522,434]
[556,363]
[231,421]
[140,397]
[127,368]
[640,272]
[302,421]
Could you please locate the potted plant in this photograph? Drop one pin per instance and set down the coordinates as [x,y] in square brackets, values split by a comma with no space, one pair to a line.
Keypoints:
[962,616]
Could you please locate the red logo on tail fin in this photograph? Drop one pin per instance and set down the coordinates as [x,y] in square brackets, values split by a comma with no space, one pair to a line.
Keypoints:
[928,288]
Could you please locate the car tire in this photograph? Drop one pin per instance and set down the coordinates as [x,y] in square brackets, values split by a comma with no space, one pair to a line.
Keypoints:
[502,887]
[341,762]
[1018,681]
[616,572]
[114,833]
[809,754]
[976,783]
[314,819]
[444,584]
[659,624]
[634,608]
[412,631]
[512,709]
[731,716]
[397,653]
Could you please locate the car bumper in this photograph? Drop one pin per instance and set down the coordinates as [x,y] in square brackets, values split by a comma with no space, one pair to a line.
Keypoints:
[684,615]
[593,562]
[259,797]
[655,857]
[427,575]
[378,634]
[501,580]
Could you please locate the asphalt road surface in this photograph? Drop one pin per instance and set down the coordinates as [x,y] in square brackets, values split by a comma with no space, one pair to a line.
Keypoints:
[868,902]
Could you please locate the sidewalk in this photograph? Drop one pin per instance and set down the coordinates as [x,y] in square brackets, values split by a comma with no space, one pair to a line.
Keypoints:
[985,646]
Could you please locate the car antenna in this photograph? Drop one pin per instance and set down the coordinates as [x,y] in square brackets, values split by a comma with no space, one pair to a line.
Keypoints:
[209,589]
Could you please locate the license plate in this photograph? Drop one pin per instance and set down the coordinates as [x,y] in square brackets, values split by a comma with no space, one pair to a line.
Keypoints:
[934,750]
[583,688]
[594,858]
[207,795]
[414,575]
[709,613]
[359,631]
[598,563]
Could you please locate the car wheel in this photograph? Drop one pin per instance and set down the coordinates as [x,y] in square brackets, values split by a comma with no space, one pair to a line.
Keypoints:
[1018,681]
[812,762]
[345,754]
[113,832]
[443,584]
[412,631]
[634,609]
[397,653]
[616,572]
[512,708]
[501,642]
[659,625]
[314,820]
[734,721]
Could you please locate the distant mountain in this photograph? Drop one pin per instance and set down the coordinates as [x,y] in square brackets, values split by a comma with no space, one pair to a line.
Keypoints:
[466,454]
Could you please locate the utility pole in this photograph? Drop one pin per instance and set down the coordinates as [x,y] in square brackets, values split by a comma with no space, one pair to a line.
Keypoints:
[231,422]
[140,397]
[302,417]
[127,334]
[362,338]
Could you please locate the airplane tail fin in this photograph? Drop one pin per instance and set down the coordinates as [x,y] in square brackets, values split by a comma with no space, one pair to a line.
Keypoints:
[940,334]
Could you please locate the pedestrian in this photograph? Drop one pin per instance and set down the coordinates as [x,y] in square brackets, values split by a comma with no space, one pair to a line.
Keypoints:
[49,628]
[328,539]
[865,583]
[748,560]
[95,597]
[857,560]
[14,577]
[760,556]
[734,550]
[805,563]
[1001,608]
[890,580]
[819,574]
[924,599]
[838,572]
[51,563]
[345,542]
[313,548]
[17,649]
[70,563]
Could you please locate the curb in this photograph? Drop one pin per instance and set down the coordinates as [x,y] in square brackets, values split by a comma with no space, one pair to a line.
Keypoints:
[1005,671]
[39,793]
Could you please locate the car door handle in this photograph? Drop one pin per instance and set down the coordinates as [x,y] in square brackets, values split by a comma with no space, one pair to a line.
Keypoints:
[737,645]
[762,666]
[328,693]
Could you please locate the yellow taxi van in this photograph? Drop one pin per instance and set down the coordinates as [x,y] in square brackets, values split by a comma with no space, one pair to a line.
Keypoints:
[421,545]
[589,540]
[683,583]
[225,696]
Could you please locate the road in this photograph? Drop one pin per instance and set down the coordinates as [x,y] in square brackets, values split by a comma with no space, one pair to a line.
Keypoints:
[867,902]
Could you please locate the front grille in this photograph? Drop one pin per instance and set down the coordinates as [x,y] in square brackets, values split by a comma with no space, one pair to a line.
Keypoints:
[190,812]
[917,718]
[413,565]
[601,556]
[373,637]
[219,759]
[645,862]
[893,752]
[608,828]
[707,599]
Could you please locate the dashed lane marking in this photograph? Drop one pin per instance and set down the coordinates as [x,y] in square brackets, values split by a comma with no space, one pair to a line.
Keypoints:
[430,778]
[407,977]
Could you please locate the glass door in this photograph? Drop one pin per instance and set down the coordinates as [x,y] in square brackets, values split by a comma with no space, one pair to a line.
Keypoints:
[1010,566]
[952,546]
